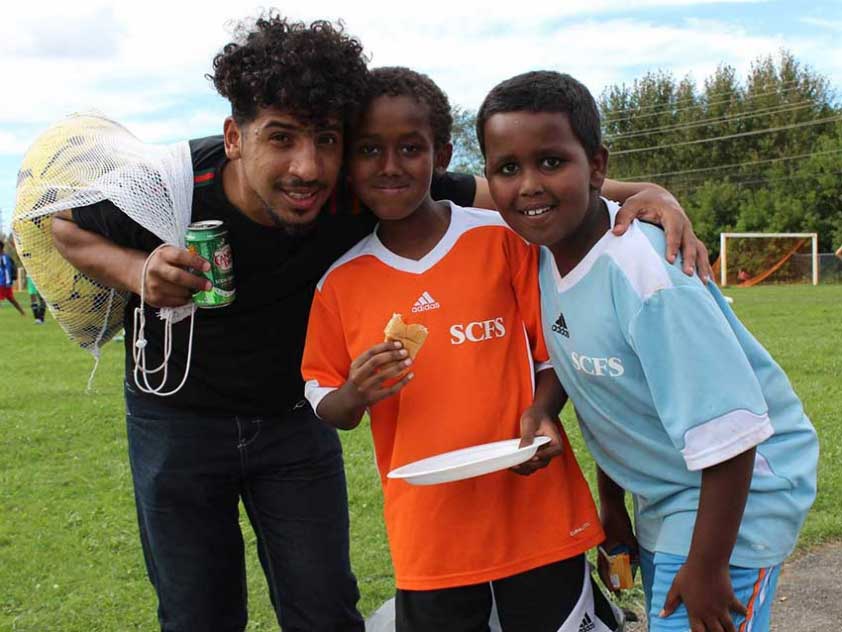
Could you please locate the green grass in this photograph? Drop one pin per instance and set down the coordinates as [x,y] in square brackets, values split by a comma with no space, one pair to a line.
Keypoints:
[69,553]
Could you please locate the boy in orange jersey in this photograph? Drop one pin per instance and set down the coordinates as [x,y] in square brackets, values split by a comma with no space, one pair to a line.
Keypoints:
[472,282]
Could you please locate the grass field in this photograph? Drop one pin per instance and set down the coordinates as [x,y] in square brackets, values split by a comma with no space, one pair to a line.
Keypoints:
[69,552]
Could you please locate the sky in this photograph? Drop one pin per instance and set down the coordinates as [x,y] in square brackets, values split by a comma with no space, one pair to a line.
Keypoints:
[143,63]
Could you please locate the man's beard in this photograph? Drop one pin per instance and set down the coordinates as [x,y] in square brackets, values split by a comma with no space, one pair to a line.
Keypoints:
[292,229]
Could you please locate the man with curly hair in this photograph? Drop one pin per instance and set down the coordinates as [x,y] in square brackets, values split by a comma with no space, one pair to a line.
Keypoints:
[240,429]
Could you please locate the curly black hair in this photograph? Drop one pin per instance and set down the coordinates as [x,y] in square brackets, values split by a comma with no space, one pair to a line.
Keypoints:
[545,91]
[397,81]
[315,71]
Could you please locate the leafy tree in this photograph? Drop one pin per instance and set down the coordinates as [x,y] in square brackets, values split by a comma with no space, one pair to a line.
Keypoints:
[467,157]
[761,155]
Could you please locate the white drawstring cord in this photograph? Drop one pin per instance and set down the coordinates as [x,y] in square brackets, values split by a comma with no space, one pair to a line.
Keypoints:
[139,342]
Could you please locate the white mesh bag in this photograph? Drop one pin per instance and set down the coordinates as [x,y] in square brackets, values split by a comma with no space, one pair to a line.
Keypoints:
[81,160]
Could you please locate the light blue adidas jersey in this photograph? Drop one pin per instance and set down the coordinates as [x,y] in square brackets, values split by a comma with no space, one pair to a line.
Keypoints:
[666,381]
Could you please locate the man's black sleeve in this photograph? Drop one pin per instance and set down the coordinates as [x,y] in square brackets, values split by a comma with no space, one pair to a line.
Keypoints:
[459,188]
[107,220]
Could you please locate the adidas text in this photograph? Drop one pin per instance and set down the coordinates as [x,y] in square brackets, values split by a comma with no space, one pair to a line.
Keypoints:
[425,303]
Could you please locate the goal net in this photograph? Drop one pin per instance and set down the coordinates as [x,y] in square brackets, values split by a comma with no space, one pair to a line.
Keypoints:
[747,259]
[830,267]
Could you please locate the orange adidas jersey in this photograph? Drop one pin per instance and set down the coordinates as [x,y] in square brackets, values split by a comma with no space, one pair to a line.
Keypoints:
[477,294]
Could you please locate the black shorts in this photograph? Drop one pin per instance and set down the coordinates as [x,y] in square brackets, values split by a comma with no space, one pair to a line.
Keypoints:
[549,598]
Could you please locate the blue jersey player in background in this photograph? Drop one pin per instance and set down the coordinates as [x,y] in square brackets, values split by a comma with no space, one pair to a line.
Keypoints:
[678,403]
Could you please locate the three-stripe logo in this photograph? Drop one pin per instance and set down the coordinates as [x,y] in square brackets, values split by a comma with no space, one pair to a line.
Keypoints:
[560,326]
[425,303]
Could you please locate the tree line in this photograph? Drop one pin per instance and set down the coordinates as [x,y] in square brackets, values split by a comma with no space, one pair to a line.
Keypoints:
[757,155]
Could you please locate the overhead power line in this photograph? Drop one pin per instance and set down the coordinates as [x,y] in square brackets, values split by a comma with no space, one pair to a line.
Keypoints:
[710,95]
[778,109]
[702,104]
[693,187]
[664,174]
[727,136]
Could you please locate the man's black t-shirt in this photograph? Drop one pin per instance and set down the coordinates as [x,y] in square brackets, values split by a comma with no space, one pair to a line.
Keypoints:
[246,356]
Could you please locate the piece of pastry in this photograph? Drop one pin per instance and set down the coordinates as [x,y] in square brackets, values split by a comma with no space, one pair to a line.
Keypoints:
[411,336]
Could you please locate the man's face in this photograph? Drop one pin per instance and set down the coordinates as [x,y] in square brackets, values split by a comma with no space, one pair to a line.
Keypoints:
[287,167]
[539,175]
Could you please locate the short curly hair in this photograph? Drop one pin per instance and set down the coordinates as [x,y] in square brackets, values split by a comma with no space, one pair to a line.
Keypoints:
[545,91]
[397,81]
[315,71]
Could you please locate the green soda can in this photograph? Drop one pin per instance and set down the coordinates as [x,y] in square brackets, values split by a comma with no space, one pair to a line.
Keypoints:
[209,240]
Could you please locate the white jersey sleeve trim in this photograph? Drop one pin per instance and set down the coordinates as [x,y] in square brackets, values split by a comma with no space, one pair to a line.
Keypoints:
[642,266]
[315,394]
[543,366]
[724,437]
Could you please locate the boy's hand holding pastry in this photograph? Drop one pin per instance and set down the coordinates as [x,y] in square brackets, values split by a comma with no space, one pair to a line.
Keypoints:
[372,370]
[378,373]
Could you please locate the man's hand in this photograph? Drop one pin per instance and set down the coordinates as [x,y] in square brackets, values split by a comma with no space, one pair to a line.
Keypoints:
[535,421]
[618,531]
[168,282]
[708,595]
[657,205]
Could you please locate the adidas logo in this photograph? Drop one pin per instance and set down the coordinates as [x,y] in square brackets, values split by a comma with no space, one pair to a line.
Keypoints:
[587,625]
[425,303]
[560,326]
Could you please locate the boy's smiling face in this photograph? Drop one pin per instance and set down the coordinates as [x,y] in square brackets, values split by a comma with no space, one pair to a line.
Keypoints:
[540,176]
[393,156]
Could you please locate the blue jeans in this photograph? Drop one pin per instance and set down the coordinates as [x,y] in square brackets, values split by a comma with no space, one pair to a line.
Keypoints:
[190,472]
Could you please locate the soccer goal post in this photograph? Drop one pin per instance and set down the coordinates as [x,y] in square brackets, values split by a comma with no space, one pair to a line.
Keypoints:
[723,250]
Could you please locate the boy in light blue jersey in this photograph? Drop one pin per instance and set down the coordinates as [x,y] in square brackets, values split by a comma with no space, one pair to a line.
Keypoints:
[678,403]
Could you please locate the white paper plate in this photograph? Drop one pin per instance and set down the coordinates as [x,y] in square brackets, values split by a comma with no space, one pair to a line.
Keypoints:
[467,462]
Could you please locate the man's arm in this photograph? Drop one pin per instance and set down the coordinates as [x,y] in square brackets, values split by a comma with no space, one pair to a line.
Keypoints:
[653,203]
[98,257]
[615,190]
[168,284]
[649,202]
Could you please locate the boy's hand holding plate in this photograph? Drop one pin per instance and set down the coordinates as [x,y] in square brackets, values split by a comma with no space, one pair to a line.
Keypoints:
[536,422]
